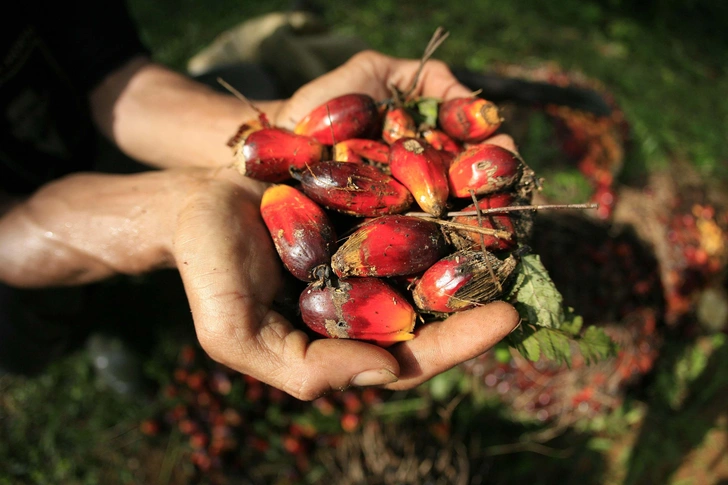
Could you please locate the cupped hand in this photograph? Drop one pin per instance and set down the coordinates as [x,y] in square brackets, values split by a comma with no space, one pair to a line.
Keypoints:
[371,73]
[232,276]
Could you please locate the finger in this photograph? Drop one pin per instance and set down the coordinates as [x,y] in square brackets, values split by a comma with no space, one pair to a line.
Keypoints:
[440,346]
[503,141]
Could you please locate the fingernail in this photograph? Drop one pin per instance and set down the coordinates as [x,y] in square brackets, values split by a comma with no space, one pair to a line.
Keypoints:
[373,378]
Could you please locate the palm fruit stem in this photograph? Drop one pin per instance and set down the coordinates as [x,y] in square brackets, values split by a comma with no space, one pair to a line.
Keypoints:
[512,208]
[479,213]
[465,227]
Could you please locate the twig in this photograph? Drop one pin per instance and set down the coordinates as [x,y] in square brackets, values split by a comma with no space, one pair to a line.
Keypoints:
[516,208]
[239,95]
[463,227]
[437,39]
[479,212]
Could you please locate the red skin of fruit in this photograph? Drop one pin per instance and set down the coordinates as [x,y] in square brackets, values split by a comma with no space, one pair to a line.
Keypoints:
[501,222]
[442,141]
[471,119]
[349,116]
[420,168]
[435,289]
[269,153]
[390,246]
[357,150]
[485,169]
[398,124]
[354,189]
[358,308]
[301,230]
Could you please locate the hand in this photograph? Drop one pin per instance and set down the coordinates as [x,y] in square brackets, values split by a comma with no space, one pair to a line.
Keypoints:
[370,73]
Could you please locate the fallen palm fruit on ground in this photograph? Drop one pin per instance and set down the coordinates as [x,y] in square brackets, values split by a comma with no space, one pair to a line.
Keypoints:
[393,268]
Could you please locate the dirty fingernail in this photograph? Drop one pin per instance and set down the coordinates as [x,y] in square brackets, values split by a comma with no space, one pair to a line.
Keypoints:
[373,378]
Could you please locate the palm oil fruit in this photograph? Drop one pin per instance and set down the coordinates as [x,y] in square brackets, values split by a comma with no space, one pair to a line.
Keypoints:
[301,231]
[348,116]
[462,280]
[470,119]
[421,168]
[398,123]
[390,246]
[359,150]
[268,154]
[358,308]
[350,188]
[484,169]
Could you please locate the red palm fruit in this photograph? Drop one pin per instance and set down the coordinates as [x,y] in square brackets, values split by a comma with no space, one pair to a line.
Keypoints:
[485,169]
[358,150]
[348,116]
[268,154]
[471,119]
[503,222]
[390,246]
[149,427]
[301,230]
[462,280]
[358,308]
[420,168]
[441,140]
[361,190]
[398,123]
[350,422]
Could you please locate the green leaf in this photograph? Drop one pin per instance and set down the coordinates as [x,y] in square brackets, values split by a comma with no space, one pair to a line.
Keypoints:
[555,345]
[537,299]
[595,345]
[523,341]
[572,322]
[427,109]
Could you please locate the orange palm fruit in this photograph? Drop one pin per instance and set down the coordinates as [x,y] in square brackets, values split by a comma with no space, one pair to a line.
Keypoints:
[398,123]
[471,119]
[349,116]
[462,280]
[441,140]
[390,246]
[358,308]
[421,168]
[483,168]
[358,150]
[301,231]
[268,154]
[360,190]
[502,222]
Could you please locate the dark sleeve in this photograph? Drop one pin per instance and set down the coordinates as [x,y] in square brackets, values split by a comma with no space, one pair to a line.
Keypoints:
[90,38]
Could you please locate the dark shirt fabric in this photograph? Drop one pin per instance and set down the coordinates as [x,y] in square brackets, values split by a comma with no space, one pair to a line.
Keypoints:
[52,55]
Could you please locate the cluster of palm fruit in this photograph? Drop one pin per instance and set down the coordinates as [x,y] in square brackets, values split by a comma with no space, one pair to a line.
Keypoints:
[364,165]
